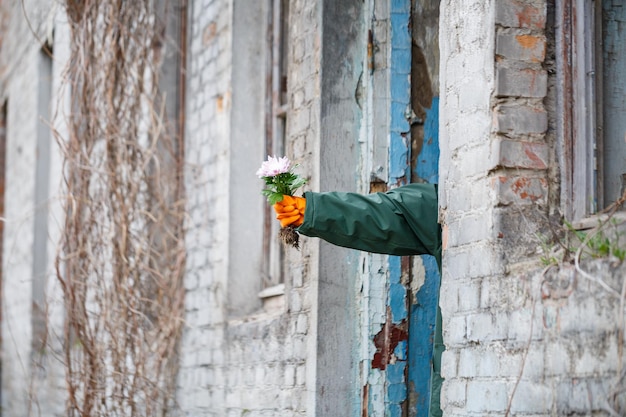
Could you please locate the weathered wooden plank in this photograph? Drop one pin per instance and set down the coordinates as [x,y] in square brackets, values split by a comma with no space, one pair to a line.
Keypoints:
[614,98]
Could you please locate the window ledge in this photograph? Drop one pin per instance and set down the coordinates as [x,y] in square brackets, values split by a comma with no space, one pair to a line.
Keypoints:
[273,299]
[273,291]
[594,221]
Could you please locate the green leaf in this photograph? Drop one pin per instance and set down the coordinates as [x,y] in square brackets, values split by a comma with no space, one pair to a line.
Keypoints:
[274,198]
[299,182]
[281,184]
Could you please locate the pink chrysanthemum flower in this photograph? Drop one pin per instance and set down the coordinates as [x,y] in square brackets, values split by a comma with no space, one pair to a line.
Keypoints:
[274,166]
[279,180]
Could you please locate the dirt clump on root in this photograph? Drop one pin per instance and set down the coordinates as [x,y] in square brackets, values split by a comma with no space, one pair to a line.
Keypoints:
[289,236]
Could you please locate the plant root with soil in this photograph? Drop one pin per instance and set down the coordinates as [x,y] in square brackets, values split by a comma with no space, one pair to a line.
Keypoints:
[289,237]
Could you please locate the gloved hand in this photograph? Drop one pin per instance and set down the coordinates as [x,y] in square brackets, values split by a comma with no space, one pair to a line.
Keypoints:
[290,210]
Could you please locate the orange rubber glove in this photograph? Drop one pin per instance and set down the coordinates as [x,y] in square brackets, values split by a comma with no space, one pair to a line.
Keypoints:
[290,210]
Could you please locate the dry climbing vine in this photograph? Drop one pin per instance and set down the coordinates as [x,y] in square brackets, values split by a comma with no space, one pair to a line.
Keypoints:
[121,257]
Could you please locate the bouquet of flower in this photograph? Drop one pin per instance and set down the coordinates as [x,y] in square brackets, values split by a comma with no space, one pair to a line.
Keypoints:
[276,172]
[280,180]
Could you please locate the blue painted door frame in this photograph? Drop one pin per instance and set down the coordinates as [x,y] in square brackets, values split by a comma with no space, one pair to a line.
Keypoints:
[409,378]
[423,304]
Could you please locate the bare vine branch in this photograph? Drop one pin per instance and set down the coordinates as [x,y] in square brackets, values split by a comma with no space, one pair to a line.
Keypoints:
[122,256]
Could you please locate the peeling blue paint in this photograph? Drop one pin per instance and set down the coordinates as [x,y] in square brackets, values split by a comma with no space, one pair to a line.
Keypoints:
[423,310]
[427,160]
[397,392]
[413,357]
[397,291]
[400,352]
[399,173]
[421,336]
[399,147]
[400,35]
[403,59]
[400,90]
[399,150]
[395,269]
[396,384]
[395,373]
[400,6]
[393,410]
[399,123]
[397,302]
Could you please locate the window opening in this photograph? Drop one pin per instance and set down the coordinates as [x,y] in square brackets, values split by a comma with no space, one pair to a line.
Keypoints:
[611,91]
[42,196]
[592,107]
[3,146]
[276,120]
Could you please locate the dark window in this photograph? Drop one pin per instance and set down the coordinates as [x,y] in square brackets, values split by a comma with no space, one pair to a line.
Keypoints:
[3,147]
[276,120]
[42,196]
[592,104]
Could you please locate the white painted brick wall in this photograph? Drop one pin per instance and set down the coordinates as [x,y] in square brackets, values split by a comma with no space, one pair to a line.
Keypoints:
[502,319]
[29,380]
[254,365]
[519,338]
[227,367]
[202,375]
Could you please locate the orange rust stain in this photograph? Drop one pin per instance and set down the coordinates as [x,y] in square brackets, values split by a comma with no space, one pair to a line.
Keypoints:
[531,42]
[530,15]
[209,33]
[530,153]
[219,101]
[527,41]
[519,184]
[520,187]
[533,74]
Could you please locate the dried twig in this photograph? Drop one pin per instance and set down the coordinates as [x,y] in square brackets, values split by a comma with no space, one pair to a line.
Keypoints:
[122,255]
[526,349]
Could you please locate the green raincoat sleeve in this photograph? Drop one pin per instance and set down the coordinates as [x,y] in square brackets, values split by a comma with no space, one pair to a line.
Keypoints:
[402,221]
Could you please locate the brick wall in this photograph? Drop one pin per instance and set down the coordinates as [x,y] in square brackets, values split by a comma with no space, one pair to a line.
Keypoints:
[18,236]
[202,375]
[230,364]
[520,338]
[303,132]
[30,379]
[255,364]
